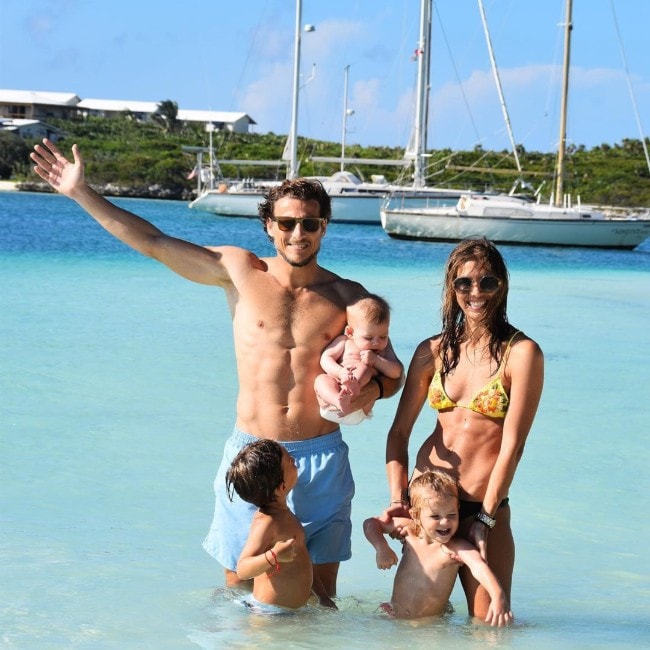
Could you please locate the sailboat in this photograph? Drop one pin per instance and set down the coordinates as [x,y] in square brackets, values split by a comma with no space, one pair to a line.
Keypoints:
[353,200]
[519,220]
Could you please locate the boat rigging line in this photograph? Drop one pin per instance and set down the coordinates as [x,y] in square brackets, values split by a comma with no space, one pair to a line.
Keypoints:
[630,87]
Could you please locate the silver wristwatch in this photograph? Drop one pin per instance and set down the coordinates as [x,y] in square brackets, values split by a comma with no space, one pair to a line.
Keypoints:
[486,519]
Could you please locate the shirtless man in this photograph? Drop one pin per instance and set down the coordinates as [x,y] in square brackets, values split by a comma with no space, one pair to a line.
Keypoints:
[285,310]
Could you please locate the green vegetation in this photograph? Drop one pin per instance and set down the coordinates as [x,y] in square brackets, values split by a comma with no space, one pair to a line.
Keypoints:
[14,156]
[135,157]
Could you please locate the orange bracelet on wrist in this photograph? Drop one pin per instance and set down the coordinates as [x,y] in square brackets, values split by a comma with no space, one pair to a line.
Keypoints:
[275,562]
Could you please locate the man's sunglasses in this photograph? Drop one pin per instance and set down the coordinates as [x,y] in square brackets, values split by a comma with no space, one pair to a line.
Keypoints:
[487,284]
[308,224]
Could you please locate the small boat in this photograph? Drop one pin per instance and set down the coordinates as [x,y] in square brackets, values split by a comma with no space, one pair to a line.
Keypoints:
[517,220]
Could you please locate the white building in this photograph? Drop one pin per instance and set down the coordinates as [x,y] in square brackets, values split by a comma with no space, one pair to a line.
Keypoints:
[30,129]
[36,105]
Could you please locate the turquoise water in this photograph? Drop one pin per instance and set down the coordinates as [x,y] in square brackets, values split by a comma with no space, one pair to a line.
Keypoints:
[118,390]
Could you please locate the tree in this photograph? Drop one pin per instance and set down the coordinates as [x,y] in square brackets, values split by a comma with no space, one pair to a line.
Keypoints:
[14,154]
[166,116]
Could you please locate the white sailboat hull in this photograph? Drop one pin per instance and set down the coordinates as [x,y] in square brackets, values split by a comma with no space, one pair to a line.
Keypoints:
[227,204]
[349,204]
[506,220]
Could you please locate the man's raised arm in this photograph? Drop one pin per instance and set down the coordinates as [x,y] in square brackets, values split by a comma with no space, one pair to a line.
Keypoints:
[193,262]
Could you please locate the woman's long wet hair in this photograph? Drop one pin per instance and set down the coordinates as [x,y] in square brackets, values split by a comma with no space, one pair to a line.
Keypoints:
[484,254]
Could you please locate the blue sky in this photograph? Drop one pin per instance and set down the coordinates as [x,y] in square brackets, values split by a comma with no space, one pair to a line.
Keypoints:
[238,56]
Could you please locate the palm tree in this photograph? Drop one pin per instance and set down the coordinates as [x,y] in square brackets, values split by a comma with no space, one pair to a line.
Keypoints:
[166,116]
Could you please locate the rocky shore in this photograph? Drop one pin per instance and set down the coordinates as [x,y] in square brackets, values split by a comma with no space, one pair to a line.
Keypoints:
[109,189]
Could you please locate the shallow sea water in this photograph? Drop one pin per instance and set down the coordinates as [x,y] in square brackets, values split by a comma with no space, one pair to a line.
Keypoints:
[118,390]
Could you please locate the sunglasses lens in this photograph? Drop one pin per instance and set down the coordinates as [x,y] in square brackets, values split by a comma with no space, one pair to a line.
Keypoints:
[286,225]
[489,284]
[311,225]
[463,285]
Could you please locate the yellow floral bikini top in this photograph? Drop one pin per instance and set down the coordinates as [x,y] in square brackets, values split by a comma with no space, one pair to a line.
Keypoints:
[491,400]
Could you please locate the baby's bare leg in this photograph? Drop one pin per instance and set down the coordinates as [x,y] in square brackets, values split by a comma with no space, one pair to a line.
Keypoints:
[328,392]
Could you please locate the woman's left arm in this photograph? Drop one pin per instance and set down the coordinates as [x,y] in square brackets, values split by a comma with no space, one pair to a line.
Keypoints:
[526,366]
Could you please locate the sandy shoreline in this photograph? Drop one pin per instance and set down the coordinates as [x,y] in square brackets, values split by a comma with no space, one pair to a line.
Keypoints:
[8,186]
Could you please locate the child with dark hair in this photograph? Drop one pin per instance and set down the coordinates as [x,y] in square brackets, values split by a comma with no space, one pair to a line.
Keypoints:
[275,555]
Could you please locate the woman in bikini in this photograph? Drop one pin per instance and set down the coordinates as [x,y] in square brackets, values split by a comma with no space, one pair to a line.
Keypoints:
[485,378]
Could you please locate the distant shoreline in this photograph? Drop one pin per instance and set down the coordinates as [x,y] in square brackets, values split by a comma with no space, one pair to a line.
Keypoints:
[8,186]
[108,190]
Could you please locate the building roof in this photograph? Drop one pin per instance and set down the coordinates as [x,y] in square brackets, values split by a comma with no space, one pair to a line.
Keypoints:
[151,107]
[118,105]
[213,116]
[19,124]
[11,121]
[38,97]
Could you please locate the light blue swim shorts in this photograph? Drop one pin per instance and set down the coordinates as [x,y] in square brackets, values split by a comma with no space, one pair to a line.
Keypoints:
[321,499]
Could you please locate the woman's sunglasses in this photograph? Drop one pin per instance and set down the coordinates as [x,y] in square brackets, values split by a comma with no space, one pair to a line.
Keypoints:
[487,284]
[287,224]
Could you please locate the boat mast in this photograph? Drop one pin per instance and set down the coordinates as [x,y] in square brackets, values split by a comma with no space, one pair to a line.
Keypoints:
[497,79]
[422,94]
[346,113]
[559,169]
[292,167]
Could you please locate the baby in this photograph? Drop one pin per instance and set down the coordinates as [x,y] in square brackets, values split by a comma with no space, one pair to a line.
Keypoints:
[432,555]
[351,360]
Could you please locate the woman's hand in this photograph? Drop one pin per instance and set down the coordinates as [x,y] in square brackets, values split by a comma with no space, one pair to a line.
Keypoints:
[499,614]
[399,514]
[478,535]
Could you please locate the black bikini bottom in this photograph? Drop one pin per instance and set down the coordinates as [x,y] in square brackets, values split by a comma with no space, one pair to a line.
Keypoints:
[472,508]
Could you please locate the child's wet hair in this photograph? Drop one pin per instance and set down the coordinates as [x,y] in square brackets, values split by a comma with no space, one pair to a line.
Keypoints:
[436,480]
[256,473]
